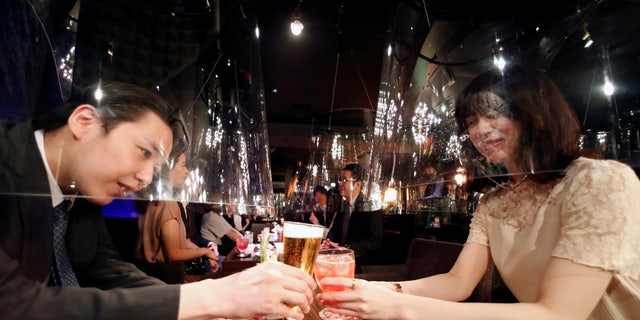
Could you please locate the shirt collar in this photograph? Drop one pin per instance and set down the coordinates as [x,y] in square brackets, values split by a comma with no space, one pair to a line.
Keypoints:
[56,193]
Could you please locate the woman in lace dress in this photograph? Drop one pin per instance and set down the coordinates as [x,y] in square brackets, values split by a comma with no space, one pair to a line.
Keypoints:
[563,232]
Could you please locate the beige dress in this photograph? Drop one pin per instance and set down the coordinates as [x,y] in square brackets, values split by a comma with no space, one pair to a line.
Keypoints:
[591,217]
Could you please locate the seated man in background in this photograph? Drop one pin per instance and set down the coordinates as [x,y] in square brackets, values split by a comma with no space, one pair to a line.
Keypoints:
[234,218]
[355,225]
[435,183]
[319,213]
[214,228]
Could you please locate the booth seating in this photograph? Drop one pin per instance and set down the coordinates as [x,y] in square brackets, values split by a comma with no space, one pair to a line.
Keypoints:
[428,257]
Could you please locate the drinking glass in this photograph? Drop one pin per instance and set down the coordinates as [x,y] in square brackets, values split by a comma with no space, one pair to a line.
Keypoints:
[242,243]
[335,262]
[249,236]
[301,245]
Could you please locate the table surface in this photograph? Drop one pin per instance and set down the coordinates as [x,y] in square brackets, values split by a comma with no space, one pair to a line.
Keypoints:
[233,264]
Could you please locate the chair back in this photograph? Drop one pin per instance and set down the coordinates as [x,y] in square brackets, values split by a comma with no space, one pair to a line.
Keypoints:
[430,257]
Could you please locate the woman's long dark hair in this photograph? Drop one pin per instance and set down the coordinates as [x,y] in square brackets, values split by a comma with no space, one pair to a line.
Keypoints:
[550,130]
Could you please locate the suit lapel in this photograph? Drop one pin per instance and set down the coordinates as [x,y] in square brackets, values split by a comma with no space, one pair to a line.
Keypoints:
[33,204]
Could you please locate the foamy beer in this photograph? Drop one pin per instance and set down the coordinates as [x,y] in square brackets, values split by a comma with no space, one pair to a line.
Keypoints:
[301,244]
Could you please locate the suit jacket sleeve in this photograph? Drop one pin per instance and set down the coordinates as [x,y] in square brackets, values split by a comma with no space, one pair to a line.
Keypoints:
[111,288]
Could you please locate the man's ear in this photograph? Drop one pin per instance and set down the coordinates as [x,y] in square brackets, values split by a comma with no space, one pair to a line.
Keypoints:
[82,120]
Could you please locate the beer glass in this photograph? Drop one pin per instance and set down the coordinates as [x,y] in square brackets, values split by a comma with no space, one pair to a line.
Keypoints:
[301,244]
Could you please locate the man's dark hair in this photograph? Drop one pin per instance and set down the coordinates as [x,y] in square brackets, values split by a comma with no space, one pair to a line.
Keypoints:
[320,189]
[357,173]
[119,102]
[431,163]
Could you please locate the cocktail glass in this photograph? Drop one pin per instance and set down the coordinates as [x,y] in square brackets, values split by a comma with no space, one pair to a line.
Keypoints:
[242,243]
[335,262]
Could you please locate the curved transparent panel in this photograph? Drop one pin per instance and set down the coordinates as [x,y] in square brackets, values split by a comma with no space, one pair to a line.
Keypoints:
[418,148]
[229,155]
[340,137]
[207,69]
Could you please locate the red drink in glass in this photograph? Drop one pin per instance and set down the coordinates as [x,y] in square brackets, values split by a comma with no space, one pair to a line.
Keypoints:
[338,262]
[242,243]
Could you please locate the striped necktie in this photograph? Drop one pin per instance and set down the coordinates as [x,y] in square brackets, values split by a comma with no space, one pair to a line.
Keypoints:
[62,271]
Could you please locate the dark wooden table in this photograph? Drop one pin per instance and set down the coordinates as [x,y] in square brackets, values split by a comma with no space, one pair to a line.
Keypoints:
[232,263]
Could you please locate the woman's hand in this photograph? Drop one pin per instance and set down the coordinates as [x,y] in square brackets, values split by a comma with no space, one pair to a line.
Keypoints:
[215,266]
[366,300]
[212,255]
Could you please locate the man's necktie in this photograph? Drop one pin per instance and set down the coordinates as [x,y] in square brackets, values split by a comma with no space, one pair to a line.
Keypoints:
[185,220]
[62,264]
[345,222]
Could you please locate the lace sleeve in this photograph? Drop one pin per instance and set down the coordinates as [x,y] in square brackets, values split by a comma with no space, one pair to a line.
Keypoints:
[478,228]
[600,217]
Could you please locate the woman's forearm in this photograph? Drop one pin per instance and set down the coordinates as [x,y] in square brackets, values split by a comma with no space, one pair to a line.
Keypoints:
[186,254]
[442,286]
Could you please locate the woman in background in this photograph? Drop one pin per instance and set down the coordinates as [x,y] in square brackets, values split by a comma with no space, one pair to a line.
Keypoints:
[563,232]
[162,246]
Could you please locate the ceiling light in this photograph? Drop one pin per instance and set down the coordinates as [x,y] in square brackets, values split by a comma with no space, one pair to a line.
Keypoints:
[607,78]
[499,62]
[588,44]
[608,87]
[296,27]
[586,36]
[296,20]
[390,195]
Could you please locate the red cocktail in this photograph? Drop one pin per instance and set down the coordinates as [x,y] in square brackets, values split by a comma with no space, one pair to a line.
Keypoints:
[339,262]
[242,243]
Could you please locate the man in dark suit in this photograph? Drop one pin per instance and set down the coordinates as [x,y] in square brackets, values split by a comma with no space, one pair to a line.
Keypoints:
[319,213]
[355,225]
[435,183]
[103,144]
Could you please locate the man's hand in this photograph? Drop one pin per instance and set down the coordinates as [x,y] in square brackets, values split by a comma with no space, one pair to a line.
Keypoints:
[313,218]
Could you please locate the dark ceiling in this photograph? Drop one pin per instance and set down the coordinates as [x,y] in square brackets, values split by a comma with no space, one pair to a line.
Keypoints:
[456,38]
[299,72]
[457,35]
